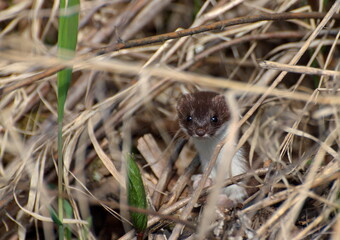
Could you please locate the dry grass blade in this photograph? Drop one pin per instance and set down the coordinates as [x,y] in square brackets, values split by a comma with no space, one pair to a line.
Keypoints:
[106,160]
[299,69]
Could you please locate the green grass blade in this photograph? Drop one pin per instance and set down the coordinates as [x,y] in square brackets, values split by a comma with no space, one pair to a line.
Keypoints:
[67,41]
[136,195]
[55,217]
[69,214]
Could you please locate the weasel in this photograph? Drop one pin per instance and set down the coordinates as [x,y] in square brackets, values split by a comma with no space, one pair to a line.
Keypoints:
[205,117]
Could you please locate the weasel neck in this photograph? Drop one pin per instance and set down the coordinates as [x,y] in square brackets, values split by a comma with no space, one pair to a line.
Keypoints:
[206,148]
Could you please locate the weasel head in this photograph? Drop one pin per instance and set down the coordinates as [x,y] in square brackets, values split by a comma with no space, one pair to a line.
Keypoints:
[202,114]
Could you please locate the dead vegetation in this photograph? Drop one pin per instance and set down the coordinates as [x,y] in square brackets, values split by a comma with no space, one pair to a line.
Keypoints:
[124,101]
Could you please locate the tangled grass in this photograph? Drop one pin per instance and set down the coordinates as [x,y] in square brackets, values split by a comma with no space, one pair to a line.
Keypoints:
[283,73]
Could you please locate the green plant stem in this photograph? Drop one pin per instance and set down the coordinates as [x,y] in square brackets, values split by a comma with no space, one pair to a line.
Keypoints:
[60,179]
[67,42]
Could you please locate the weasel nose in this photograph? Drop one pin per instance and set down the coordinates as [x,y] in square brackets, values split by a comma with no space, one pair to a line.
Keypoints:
[200,132]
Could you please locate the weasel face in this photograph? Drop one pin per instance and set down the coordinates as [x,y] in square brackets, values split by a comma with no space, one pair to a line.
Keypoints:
[202,114]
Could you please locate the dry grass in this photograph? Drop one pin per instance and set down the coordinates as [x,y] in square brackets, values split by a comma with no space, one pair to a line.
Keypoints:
[125,100]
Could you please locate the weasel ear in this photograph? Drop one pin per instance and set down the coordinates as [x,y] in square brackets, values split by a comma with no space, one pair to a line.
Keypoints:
[220,99]
[184,98]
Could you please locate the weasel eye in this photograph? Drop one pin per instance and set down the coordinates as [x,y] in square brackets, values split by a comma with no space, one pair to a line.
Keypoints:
[214,119]
[189,119]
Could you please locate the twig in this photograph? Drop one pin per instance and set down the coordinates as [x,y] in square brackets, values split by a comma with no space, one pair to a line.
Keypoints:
[220,25]
[30,80]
